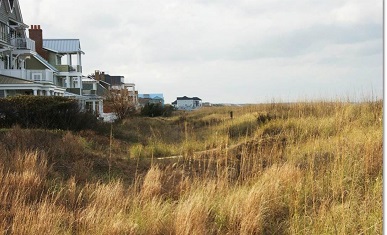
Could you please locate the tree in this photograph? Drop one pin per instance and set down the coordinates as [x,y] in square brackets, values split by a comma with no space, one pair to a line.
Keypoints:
[120,103]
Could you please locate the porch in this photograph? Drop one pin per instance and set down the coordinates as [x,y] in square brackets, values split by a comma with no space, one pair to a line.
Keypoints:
[43,76]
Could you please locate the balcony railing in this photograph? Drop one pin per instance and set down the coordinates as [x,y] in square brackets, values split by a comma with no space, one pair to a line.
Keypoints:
[74,90]
[23,43]
[31,75]
[69,68]
[89,92]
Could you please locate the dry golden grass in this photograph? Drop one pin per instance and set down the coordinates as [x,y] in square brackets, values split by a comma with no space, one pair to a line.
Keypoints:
[302,168]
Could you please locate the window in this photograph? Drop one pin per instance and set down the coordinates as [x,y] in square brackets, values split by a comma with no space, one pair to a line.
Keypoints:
[58,60]
[89,107]
[4,32]
[37,76]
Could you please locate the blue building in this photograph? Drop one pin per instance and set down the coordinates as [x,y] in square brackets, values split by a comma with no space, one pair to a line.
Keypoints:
[144,99]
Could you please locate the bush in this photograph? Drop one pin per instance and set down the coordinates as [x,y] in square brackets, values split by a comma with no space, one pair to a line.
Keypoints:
[52,112]
[264,118]
[156,110]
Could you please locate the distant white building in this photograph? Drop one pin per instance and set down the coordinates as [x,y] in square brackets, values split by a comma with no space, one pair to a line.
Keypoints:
[187,103]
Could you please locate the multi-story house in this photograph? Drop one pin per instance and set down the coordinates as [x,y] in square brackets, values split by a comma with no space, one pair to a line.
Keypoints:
[60,54]
[117,86]
[38,66]
[16,49]
[93,93]
[33,65]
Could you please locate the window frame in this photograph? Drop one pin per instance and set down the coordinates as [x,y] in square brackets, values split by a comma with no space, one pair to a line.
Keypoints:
[40,75]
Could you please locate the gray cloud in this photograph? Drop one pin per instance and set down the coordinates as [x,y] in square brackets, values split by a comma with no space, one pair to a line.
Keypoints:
[305,41]
[230,51]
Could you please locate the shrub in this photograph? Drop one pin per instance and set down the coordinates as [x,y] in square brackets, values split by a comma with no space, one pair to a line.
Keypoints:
[156,110]
[44,112]
[264,118]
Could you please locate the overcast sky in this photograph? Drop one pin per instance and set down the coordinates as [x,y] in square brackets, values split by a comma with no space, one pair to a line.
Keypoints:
[226,51]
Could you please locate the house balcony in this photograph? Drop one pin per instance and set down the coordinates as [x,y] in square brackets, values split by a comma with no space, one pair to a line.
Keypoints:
[23,43]
[76,91]
[69,68]
[89,92]
[41,76]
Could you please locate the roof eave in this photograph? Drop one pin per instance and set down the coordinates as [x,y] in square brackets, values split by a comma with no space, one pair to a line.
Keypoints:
[49,49]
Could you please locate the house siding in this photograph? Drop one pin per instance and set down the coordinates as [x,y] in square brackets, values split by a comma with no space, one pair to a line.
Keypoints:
[3,14]
[12,15]
[35,64]
[101,91]
[6,14]
[15,14]
[185,104]
[87,86]
[52,58]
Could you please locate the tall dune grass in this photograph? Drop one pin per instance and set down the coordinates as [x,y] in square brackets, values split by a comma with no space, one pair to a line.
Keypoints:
[303,168]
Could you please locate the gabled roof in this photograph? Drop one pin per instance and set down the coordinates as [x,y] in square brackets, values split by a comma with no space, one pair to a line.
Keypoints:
[188,98]
[14,12]
[62,45]
[45,62]
[11,80]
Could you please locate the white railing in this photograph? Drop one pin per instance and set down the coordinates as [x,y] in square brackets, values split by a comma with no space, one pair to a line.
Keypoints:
[17,73]
[32,75]
[31,44]
[88,92]
[23,43]
[40,75]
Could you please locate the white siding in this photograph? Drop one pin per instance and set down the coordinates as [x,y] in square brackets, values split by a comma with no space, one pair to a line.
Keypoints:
[185,104]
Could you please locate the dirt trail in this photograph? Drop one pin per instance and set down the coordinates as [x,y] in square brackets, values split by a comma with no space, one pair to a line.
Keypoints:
[204,152]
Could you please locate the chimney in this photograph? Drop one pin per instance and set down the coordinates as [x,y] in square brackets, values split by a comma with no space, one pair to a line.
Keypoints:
[96,75]
[36,34]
